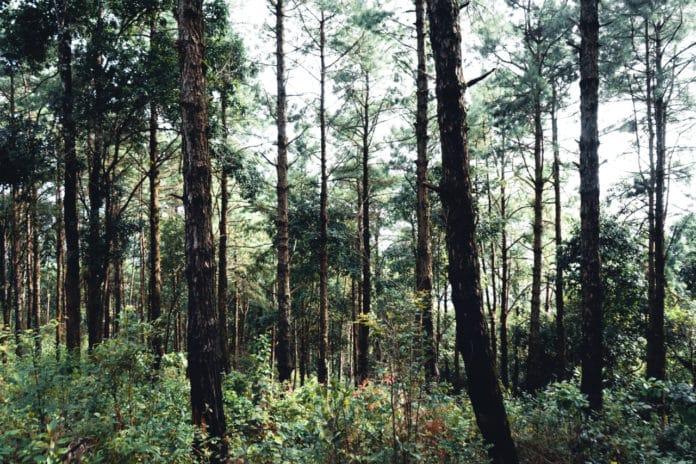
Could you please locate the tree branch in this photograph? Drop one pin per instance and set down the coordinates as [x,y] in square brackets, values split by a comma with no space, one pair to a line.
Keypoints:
[472,82]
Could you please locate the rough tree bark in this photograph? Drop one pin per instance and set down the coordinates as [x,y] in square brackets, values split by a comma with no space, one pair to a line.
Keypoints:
[155,281]
[34,229]
[363,370]
[558,240]
[504,278]
[460,226]
[322,364]
[69,134]
[95,253]
[17,301]
[424,260]
[591,382]
[535,368]
[204,356]
[222,248]
[3,275]
[282,348]
[60,252]
[650,190]
[656,318]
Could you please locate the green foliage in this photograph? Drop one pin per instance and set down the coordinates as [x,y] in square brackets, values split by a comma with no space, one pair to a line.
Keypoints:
[624,290]
[25,151]
[341,424]
[110,407]
[106,407]
[634,427]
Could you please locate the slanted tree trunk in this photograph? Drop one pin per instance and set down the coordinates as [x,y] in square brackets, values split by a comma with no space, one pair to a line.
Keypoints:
[154,267]
[322,362]
[460,226]
[591,348]
[204,356]
[282,347]
[424,260]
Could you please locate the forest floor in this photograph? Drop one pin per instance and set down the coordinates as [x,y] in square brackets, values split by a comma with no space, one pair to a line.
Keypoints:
[109,407]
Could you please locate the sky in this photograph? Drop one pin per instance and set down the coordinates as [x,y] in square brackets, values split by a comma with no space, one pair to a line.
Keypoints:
[618,159]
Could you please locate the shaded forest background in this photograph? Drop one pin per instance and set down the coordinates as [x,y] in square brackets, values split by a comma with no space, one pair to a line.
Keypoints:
[209,253]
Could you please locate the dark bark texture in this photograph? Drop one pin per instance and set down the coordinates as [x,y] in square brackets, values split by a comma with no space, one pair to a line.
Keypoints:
[591,382]
[222,247]
[69,134]
[460,225]
[363,370]
[204,356]
[535,368]
[558,240]
[322,364]
[282,348]
[96,250]
[656,356]
[155,271]
[3,276]
[424,260]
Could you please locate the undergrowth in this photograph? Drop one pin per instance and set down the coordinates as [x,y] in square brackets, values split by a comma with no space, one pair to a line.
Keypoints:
[109,407]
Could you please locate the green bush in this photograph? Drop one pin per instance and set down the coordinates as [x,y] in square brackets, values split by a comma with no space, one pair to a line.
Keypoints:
[110,407]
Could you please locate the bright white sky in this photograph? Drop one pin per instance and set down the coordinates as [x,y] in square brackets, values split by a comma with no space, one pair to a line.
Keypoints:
[251,17]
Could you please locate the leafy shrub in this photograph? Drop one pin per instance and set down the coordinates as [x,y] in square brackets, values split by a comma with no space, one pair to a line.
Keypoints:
[110,407]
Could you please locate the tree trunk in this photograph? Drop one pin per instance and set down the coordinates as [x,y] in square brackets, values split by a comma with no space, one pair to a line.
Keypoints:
[35,279]
[558,239]
[363,327]
[17,288]
[322,363]
[237,306]
[204,356]
[460,226]
[535,362]
[118,287]
[492,300]
[154,267]
[355,310]
[656,331]
[283,350]
[69,134]
[504,280]
[650,189]
[59,260]
[591,349]
[358,292]
[141,287]
[3,275]
[106,302]
[222,249]
[424,260]
[96,252]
